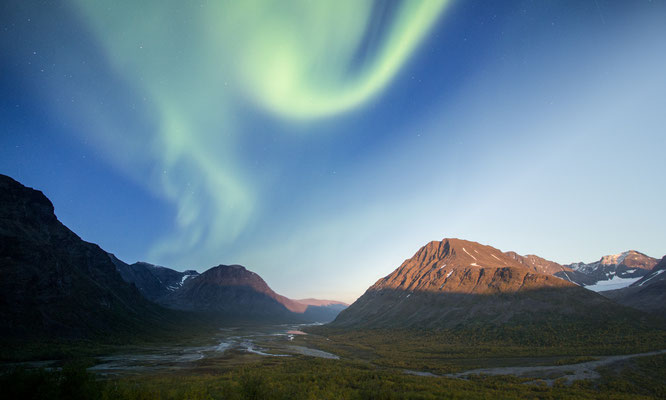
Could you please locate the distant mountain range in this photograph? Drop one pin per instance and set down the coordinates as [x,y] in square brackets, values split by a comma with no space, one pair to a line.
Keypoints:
[57,285]
[153,281]
[455,282]
[610,272]
[647,294]
[228,290]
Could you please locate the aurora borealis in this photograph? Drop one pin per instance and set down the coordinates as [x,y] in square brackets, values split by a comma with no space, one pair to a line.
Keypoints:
[292,60]
[320,143]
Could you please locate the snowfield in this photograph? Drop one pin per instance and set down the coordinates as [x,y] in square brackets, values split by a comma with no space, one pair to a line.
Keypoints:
[611,284]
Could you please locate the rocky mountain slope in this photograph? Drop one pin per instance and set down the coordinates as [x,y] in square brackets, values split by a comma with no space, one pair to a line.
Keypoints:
[153,281]
[647,294]
[229,291]
[455,282]
[225,290]
[233,291]
[53,283]
[538,264]
[612,271]
[543,266]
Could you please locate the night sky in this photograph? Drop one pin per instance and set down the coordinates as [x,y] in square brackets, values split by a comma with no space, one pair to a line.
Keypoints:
[321,143]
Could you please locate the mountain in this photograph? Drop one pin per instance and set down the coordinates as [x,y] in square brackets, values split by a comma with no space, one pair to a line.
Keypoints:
[322,303]
[57,286]
[647,294]
[612,271]
[543,266]
[455,282]
[53,283]
[227,290]
[153,281]
[322,310]
[234,292]
[538,264]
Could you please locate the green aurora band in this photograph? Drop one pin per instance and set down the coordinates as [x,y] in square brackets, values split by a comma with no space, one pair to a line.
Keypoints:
[194,61]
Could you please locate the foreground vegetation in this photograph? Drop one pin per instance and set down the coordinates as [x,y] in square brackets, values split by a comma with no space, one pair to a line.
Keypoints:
[373,366]
[184,329]
[484,346]
[307,378]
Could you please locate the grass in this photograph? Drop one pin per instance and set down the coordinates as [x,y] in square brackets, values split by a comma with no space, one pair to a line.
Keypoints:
[307,378]
[16,350]
[372,367]
[575,360]
[446,351]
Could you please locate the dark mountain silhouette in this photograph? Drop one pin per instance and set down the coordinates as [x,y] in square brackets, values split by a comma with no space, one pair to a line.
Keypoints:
[233,291]
[53,283]
[456,282]
[229,291]
[153,281]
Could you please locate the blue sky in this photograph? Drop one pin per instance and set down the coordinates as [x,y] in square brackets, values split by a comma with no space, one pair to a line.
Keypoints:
[321,144]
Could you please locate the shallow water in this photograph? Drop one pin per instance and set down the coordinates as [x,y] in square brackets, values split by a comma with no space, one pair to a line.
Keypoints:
[229,343]
[548,374]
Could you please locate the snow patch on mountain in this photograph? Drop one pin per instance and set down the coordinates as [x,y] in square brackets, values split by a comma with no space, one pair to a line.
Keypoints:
[611,284]
[468,253]
[652,277]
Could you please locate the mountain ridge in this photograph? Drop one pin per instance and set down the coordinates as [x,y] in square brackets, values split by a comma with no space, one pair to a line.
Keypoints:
[221,288]
[452,282]
[647,294]
[54,283]
[630,264]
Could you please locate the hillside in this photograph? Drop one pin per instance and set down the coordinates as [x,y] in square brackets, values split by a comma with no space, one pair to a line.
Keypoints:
[153,281]
[53,283]
[456,282]
[647,294]
[611,271]
[232,291]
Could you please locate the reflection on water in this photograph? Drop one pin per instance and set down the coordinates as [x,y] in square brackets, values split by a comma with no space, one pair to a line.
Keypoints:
[306,351]
[267,341]
[290,334]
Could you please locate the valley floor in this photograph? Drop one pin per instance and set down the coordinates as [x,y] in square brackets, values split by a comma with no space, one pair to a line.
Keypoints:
[280,362]
[309,378]
[549,374]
